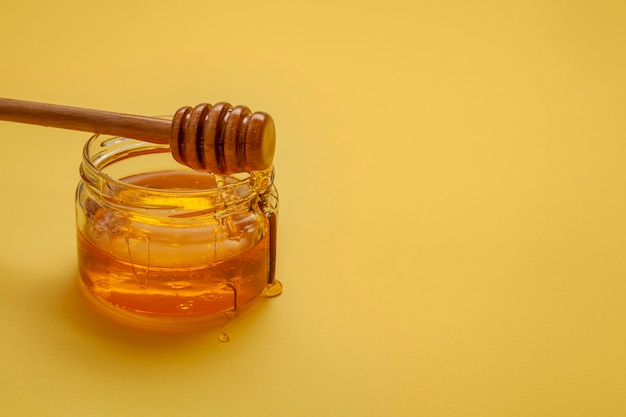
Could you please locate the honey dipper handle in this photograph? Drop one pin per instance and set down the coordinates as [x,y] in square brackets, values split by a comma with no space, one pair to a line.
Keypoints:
[148,129]
[220,138]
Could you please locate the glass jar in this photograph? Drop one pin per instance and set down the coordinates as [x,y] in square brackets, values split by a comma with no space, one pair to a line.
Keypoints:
[164,247]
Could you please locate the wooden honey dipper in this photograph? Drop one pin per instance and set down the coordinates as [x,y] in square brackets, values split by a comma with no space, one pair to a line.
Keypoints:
[217,138]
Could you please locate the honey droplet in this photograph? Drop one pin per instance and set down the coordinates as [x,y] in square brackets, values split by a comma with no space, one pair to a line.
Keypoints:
[273,290]
[223,338]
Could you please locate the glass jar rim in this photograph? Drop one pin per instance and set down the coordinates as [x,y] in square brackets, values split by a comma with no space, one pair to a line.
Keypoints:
[101,151]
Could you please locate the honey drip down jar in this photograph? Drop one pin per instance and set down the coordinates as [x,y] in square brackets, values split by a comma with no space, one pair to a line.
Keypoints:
[164,247]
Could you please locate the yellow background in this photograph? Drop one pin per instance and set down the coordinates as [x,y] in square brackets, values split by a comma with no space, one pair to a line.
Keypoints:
[452,232]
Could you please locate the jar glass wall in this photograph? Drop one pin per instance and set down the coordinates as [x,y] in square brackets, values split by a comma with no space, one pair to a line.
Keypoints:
[161,246]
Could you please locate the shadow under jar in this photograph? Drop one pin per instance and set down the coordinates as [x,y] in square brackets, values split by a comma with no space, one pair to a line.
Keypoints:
[164,247]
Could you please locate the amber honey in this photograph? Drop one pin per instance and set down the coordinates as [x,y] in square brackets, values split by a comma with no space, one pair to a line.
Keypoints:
[170,248]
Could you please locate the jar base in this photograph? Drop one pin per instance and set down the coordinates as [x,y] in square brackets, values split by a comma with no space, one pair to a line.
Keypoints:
[170,324]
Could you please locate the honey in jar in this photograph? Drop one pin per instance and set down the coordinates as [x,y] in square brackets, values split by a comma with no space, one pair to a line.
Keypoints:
[161,246]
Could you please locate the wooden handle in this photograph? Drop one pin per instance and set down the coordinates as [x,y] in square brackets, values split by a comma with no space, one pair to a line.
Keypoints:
[218,138]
